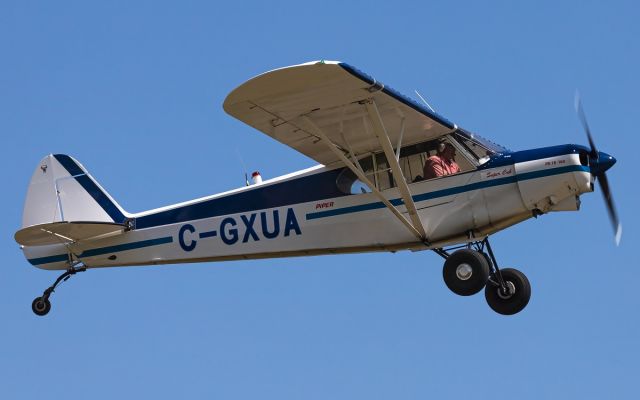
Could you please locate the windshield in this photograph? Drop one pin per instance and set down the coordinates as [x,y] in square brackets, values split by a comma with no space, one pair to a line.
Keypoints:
[478,146]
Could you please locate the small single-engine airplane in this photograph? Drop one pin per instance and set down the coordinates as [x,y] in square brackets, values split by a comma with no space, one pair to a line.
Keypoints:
[370,193]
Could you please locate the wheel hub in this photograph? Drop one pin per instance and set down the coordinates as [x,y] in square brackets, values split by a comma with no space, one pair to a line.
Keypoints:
[511,290]
[464,271]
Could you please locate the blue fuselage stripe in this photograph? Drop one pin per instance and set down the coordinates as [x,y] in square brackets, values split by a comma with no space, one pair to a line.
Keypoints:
[451,191]
[48,259]
[104,250]
[345,210]
[126,246]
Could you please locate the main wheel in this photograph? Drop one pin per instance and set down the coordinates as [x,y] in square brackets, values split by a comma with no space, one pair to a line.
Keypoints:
[465,272]
[517,298]
[41,306]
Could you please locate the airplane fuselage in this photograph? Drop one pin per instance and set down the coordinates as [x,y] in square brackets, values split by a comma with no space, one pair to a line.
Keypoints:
[305,213]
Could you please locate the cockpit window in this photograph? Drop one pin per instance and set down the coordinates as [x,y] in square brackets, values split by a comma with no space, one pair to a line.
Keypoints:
[416,161]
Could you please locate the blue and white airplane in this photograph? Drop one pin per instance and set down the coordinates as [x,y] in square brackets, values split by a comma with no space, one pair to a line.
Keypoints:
[368,194]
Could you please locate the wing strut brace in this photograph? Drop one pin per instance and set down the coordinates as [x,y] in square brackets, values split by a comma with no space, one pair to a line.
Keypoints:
[358,172]
[398,176]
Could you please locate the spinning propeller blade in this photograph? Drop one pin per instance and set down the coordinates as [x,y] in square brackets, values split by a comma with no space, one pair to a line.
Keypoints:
[613,215]
[600,162]
[585,125]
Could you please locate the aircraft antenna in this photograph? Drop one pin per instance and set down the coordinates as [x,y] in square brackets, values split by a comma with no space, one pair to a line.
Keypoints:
[424,101]
[244,168]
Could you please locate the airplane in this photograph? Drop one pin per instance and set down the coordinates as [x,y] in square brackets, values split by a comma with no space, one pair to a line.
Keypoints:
[368,193]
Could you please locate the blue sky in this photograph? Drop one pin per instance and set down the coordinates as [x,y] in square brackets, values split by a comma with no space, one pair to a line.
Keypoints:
[134,90]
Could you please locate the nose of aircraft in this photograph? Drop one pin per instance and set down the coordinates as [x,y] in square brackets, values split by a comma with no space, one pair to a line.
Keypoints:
[603,163]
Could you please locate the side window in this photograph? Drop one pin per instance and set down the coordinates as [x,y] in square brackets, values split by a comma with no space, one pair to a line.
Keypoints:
[413,160]
[384,177]
[417,166]
[413,165]
[348,182]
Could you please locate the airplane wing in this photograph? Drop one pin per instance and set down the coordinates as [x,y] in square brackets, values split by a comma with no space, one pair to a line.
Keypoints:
[333,96]
[334,113]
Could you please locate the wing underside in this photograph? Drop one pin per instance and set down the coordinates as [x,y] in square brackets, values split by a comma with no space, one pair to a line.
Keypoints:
[334,97]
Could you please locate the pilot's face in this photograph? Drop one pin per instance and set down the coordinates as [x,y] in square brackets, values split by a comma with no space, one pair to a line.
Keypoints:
[449,152]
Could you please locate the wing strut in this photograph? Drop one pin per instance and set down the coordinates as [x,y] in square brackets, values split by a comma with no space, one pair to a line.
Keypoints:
[339,152]
[399,146]
[383,138]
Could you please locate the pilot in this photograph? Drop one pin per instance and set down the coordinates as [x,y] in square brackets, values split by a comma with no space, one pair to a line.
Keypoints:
[443,163]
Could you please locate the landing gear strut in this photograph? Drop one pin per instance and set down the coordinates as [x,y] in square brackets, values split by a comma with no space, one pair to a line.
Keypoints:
[41,305]
[472,267]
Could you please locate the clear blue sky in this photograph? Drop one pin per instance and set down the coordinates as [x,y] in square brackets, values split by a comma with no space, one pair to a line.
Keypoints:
[134,91]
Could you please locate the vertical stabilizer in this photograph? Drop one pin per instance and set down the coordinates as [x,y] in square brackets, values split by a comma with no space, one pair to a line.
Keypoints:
[62,190]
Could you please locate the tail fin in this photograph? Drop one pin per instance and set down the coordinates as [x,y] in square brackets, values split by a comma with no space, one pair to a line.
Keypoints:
[62,190]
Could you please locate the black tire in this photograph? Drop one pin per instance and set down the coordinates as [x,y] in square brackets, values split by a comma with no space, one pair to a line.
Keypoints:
[41,306]
[512,303]
[457,268]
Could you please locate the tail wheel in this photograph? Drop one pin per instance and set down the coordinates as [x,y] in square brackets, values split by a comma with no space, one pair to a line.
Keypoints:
[41,306]
[515,298]
[466,272]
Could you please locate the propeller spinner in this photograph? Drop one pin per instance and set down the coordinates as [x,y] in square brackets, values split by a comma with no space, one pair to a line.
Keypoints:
[599,163]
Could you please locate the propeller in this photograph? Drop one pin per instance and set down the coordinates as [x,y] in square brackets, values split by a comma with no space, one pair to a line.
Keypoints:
[599,163]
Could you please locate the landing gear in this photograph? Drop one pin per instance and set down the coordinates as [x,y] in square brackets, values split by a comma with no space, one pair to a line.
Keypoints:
[41,305]
[516,296]
[466,272]
[470,269]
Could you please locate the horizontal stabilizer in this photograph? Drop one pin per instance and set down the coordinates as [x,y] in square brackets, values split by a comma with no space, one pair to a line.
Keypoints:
[65,232]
